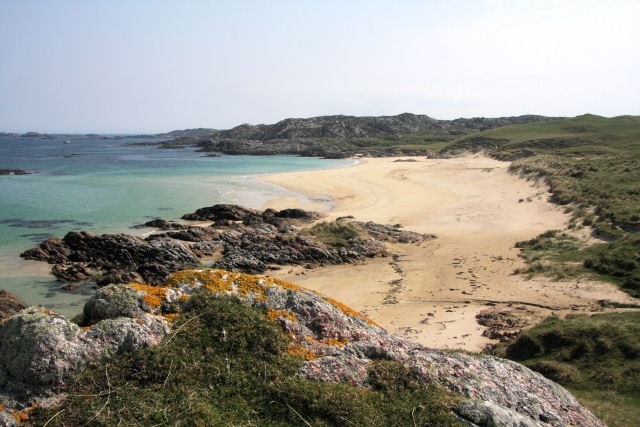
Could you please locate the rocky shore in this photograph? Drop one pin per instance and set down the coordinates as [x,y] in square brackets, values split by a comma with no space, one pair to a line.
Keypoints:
[237,239]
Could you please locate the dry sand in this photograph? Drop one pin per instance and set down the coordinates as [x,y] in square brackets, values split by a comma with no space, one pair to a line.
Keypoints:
[431,293]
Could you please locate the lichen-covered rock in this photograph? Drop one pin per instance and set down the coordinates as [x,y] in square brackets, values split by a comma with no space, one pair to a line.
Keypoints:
[339,344]
[113,336]
[41,350]
[111,302]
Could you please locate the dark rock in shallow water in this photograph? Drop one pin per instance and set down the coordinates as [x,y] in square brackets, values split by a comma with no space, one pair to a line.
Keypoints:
[162,224]
[13,172]
[83,255]
[220,212]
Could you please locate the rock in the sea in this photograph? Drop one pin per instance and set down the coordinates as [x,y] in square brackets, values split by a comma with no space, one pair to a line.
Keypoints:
[83,255]
[220,212]
[9,304]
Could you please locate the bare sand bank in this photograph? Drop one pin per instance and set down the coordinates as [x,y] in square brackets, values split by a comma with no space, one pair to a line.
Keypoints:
[432,293]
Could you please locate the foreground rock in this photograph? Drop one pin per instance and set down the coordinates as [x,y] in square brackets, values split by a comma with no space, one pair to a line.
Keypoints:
[337,343]
[238,239]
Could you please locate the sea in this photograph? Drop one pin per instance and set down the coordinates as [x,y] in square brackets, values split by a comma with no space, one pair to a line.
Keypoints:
[111,184]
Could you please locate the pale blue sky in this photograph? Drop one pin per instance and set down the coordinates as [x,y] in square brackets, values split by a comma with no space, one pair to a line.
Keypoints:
[153,66]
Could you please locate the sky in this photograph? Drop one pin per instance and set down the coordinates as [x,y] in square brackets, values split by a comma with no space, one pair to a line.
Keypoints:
[147,66]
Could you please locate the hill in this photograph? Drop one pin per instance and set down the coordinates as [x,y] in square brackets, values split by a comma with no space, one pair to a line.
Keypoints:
[344,136]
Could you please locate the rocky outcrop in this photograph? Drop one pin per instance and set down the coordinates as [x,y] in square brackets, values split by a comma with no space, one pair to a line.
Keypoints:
[337,343]
[240,239]
[42,350]
[9,304]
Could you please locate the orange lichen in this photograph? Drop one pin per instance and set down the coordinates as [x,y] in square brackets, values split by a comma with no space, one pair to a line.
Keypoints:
[273,314]
[171,317]
[335,342]
[349,311]
[20,416]
[248,285]
[213,280]
[299,350]
[153,295]
[288,285]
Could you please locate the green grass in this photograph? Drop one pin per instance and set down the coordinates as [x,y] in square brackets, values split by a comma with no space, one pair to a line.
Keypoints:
[242,376]
[335,233]
[595,357]
[410,144]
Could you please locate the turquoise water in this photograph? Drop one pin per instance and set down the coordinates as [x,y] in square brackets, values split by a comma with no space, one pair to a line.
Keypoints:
[109,185]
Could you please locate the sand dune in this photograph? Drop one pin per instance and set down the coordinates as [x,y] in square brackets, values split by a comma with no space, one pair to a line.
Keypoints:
[432,293]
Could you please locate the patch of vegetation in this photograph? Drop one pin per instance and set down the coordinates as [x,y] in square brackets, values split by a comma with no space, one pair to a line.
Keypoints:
[415,144]
[553,253]
[595,357]
[228,364]
[619,260]
[335,233]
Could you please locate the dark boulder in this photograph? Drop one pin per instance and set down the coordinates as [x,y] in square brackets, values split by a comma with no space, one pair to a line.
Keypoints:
[220,212]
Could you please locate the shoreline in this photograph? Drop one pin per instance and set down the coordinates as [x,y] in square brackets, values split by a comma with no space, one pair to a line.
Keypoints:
[431,293]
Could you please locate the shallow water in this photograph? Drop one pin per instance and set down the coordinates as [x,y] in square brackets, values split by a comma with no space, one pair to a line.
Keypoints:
[108,185]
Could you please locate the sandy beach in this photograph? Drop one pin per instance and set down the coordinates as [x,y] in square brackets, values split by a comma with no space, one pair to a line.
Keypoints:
[431,293]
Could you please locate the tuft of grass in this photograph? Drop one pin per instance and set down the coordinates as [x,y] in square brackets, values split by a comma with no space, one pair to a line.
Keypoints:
[229,364]
[335,233]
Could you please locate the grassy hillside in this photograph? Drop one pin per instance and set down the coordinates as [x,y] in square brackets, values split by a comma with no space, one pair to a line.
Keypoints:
[592,165]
